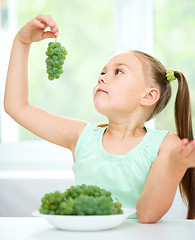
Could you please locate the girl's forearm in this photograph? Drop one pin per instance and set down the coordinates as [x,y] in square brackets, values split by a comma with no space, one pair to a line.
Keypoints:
[16,90]
[158,196]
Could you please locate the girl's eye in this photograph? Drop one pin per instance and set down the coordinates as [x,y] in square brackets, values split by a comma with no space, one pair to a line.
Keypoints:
[118,71]
[102,73]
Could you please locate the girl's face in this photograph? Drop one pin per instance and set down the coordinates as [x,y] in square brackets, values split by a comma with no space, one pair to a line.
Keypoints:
[120,86]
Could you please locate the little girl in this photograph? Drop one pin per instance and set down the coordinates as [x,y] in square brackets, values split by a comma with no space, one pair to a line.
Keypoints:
[141,167]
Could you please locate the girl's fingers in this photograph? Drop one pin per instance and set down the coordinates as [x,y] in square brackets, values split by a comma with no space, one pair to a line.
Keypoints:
[190,148]
[184,141]
[188,152]
[48,21]
[36,23]
[48,34]
[54,31]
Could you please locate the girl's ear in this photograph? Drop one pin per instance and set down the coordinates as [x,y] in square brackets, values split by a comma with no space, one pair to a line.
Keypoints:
[150,97]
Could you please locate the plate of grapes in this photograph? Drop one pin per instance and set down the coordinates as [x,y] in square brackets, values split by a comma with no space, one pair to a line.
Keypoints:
[82,208]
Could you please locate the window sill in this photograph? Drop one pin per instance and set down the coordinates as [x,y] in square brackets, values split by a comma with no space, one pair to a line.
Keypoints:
[34,156]
[37,174]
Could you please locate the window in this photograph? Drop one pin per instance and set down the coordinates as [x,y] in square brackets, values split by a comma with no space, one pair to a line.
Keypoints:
[92,33]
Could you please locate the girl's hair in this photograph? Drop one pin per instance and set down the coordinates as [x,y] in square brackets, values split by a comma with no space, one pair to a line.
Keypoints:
[154,68]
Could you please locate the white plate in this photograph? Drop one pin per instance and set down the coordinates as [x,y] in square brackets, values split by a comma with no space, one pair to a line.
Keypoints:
[86,223]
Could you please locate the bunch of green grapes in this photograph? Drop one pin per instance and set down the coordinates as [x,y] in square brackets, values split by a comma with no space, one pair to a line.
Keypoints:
[80,200]
[56,56]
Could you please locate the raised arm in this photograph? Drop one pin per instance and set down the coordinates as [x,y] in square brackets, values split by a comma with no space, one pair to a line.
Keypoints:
[174,158]
[59,130]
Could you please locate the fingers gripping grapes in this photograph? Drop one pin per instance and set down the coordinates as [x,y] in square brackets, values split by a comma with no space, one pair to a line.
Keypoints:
[35,30]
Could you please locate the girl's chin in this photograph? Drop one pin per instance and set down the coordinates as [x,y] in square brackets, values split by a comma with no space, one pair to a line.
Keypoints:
[101,109]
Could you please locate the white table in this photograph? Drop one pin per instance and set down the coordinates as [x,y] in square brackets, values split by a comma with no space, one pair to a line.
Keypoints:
[31,228]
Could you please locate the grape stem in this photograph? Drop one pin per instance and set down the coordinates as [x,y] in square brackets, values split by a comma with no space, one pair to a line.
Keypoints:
[55,38]
[51,202]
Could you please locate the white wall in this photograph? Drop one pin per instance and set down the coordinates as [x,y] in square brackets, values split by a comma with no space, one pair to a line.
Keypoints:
[8,128]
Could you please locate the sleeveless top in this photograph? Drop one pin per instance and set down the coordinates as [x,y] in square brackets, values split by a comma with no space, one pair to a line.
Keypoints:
[123,175]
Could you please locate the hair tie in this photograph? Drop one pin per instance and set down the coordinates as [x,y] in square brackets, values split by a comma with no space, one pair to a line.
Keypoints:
[170,75]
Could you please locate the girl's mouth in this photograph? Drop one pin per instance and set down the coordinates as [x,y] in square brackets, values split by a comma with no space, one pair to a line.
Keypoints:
[100,90]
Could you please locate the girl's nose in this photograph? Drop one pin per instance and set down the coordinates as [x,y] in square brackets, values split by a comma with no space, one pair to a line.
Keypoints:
[101,79]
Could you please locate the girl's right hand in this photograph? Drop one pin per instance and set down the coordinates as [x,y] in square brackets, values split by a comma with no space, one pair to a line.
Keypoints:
[34,30]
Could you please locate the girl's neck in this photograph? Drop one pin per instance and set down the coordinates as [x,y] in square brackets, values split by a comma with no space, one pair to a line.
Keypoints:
[121,138]
[125,130]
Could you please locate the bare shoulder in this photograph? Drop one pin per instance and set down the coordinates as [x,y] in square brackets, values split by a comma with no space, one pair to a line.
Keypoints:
[169,141]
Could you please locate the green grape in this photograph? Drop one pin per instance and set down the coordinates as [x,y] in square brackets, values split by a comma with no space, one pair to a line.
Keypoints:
[48,53]
[49,61]
[61,61]
[55,70]
[61,55]
[55,59]
[50,50]
[64,51]
[50,72]
[43,200]
[56,51]
[49,67]
[56,63]
[57,75]
[51,77]
[51,45]
[57,45]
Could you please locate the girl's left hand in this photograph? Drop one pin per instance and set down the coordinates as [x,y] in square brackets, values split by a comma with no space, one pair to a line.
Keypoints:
[183,154]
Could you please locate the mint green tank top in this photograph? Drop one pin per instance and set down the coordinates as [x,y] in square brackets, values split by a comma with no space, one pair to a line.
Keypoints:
[123,175]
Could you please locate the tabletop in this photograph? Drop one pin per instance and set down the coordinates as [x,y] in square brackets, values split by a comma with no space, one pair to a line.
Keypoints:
[30,228]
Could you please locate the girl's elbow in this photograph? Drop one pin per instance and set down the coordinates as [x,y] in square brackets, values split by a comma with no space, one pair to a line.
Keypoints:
[146,218]
[8,106]
[8,109]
